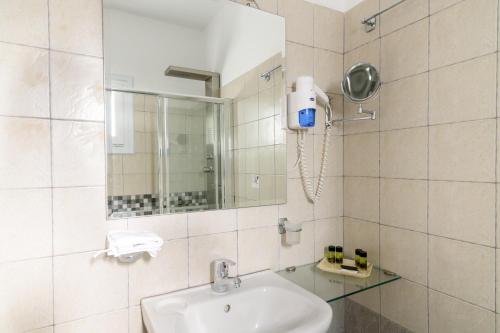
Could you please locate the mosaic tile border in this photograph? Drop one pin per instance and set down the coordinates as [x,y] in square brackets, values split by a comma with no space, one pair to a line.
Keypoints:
[120,206]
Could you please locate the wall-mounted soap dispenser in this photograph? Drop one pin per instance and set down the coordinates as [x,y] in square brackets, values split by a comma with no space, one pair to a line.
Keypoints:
[290,232]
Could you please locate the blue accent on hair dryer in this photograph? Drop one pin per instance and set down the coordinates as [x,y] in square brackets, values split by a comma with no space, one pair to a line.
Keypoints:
[307,117]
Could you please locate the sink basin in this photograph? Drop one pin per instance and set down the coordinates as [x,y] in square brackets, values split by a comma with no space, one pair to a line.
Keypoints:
[265,303]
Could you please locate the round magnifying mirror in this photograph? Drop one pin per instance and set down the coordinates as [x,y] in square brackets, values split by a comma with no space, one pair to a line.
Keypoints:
[361,82]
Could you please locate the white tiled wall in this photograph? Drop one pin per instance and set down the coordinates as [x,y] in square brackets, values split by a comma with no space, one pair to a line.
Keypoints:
[52,178]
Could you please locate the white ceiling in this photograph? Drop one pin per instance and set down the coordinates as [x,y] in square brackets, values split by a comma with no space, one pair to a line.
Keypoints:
[340,5]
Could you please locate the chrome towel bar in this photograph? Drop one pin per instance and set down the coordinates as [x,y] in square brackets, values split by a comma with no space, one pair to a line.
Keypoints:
[371,22]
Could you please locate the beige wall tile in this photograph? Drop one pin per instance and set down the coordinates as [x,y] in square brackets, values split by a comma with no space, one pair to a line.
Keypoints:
[162,274]
[497,252]
[476,98]
[405,303]
[458,277]
[25,233]
[437,5]
[404,103]
[133,184]
[85,286]
[361,198]
[299,61]
[366,53]
[270,6]
[464,211]
[328,70]
[297,207]
[403,203]
[267,190]
[26,293]
[247,110]
[24,22]
[103,323]
[335,163]
[330,203]
[403,153]
[266,102]
[498,216]
[449,314]
[258,249]
[364,235]
[463,151]
[405,52]
[300,254]
[369,298]
[328,29]
[355,34]
[401,15]
[77,153]
[254,217]
[168,227]
[211,222]
[79,219]
[299,18]
[266,132]
[462,32]
[24,84]
[327,232]
[204,249]
[77,88]
[404,252]
[134,163]
[27,162]
[76,26]
[361,155]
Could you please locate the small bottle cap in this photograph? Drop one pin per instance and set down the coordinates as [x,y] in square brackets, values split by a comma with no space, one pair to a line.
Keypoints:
[331,248]
[363,254]
[338,248]
[357,251]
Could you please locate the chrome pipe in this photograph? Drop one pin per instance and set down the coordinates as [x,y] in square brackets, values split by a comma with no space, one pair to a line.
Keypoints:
[371,22]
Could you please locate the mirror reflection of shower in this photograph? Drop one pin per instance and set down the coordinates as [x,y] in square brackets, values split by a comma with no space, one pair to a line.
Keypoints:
[203,157]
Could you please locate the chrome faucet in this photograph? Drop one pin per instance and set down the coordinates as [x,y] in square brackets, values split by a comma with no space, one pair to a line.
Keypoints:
[222,280]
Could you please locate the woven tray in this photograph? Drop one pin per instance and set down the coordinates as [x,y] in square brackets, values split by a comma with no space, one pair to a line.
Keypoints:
[324,265]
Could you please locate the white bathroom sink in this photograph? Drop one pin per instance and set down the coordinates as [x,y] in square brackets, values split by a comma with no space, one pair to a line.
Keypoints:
[265,303]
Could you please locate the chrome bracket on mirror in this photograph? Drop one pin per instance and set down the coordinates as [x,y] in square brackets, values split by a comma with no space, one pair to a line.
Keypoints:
[371,115]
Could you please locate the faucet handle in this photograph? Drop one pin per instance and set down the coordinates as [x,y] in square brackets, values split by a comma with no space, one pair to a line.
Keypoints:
[224,261]
[221,266]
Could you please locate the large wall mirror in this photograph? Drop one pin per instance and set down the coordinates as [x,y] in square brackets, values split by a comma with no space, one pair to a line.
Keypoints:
[194,101]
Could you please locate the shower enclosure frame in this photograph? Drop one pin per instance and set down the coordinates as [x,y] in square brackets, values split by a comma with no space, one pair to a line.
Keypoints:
[224,169]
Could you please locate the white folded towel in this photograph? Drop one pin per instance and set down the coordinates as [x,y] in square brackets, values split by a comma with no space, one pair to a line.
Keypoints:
[129,242]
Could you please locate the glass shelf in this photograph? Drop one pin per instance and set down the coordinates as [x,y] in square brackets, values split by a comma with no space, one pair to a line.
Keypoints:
[332,287]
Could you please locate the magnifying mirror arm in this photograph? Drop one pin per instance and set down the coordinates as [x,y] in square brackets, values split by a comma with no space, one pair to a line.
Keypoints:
[371,115]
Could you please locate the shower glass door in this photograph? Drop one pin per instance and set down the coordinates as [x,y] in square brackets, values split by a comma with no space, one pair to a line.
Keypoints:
[190,154]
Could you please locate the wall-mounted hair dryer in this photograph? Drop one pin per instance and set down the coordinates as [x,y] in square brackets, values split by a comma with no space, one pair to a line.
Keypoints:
[301,116]
[302,104]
